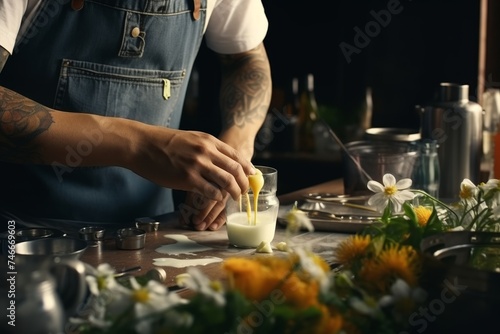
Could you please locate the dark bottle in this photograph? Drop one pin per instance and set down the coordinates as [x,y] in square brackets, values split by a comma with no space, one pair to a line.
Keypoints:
[308,117]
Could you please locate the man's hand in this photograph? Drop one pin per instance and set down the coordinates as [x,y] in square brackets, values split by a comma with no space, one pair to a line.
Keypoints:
[245,97]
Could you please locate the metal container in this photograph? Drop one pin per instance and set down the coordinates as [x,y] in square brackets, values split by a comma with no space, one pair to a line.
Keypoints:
[130,238]
[392,134]
[370,160]
[456,124]
[147,224]
[93,235]
[461,276]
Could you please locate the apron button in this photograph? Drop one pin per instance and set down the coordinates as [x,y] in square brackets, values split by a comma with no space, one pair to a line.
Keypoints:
[135,32]
[77,4]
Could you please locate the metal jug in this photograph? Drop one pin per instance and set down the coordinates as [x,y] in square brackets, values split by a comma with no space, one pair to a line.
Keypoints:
[456,125]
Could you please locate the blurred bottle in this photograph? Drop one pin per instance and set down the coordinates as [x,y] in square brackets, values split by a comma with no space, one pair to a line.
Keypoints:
[278,131]
[308,117]
[291,112]
[491,132]
[456,124]
[427,171]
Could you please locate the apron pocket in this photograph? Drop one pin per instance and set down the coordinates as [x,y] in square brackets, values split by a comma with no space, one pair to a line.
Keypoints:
[149,96]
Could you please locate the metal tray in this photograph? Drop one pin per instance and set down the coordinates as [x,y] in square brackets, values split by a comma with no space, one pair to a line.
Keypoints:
[334,213]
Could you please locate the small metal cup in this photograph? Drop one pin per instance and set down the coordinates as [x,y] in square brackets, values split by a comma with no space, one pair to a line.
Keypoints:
[130,238]
[92,234]
[147,224]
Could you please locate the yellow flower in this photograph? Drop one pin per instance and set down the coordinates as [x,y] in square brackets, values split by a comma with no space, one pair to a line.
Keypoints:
[352,248]
[262,277]
[256,278]
[423,215]
[392,263]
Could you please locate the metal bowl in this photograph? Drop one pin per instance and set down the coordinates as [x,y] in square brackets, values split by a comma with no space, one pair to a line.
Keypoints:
[25,234]
[130,238]
[47,249]
[392,134]
[467,290]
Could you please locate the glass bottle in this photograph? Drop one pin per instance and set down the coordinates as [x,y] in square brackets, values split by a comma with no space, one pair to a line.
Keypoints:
[282,123]
[427,172]
[308,117]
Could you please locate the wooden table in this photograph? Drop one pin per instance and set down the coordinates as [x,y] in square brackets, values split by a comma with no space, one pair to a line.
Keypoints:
[212,245]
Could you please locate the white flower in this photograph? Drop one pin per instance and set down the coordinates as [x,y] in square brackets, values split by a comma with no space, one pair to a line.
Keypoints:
[298,219]
[402,295]
[148,300]
[104,286]
[312,268]
[468,192]
[491,191]
[197,281]
[367,305]
[401,291]
[390,191]
[102,279]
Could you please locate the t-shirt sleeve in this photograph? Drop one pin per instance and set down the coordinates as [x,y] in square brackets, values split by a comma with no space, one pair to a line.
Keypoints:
[11,15]
[236,26]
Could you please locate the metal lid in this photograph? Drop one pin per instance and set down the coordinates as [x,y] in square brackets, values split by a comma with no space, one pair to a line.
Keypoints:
[392,134]
[157,274]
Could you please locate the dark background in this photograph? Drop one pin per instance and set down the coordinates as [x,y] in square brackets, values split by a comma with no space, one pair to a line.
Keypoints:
[426,42]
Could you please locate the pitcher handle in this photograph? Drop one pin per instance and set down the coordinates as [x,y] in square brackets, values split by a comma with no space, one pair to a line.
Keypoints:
[71,284]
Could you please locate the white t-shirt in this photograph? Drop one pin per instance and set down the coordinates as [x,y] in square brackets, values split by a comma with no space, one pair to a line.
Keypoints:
[232,26]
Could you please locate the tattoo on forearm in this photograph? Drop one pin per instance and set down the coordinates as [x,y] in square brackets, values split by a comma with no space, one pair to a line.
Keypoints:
[21,121]
[246,93]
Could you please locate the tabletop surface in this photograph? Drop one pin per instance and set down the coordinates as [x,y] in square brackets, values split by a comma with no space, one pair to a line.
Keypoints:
[174,248]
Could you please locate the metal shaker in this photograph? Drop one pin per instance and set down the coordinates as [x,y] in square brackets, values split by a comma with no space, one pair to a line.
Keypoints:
[456,125]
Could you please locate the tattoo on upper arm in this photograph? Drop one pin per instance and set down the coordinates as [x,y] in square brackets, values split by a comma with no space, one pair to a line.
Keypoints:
[21,121]
[246,89]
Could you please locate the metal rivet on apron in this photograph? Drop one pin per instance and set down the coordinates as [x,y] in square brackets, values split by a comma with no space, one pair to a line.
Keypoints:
[135,32]
[77,4]
[196,10]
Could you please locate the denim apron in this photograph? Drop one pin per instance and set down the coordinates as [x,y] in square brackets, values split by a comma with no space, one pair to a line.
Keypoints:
[117,58]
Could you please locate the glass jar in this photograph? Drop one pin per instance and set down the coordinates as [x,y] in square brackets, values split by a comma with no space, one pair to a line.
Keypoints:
[252,218]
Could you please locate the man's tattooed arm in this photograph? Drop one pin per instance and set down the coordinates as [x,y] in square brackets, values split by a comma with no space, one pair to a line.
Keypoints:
[21,121]
[246,88]
[245,97]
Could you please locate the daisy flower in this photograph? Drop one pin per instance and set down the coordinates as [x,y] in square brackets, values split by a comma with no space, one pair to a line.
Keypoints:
[309,263]
[390,192]
[197,281]
[491,190]
[298,219]
[468,192]
[103,284]
[102,279]
[150,299]
[403,298]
